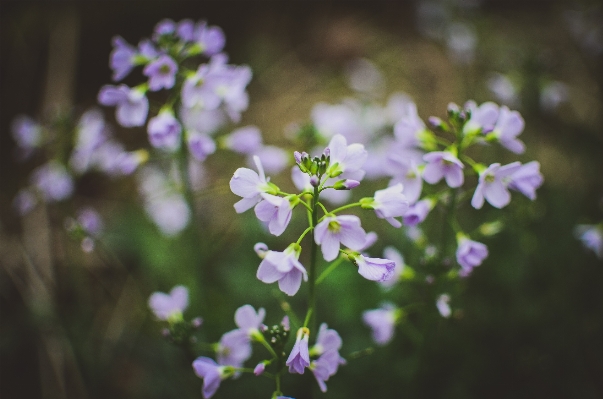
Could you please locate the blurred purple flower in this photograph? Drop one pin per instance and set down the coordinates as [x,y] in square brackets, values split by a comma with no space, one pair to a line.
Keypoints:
[132,104]
[527,179]
[591,237]
[326,366]
[273,158]
[211,373]
[483,118]
[344,157]
[417,212]
[164,131]
[210,39]
[200,145]
[52,181]
[26,132]
[470,254]
[443,306]
[90,221]
[381,322]
[443,164]
[161,73]
[509,125]
[244,140]
[409,175]
[234,348]
[493,184]
[169,306]
[121,59]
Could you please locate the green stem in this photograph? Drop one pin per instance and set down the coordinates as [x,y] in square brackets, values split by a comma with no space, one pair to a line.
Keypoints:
[341,208]
[312,272]
[304,234]
[329,269]
[267,346]
[447,225]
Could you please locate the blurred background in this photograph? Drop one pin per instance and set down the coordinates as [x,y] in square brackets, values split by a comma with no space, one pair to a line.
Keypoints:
[527,323]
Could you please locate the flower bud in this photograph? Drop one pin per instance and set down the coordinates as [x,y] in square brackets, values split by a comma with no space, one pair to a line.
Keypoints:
[346,184]
[196,322]
[259,369]
[314,181]
[260,249]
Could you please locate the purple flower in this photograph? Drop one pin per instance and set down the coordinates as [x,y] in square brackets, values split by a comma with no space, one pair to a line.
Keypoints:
[493,184]
[170,213]
[508,126]
[164,27]
[483,118]
[200,145]
[234,348]
[26,132]
[250,185]
[344,157]
[161,73]
[25,201]
[527,179]
[591,237]
[409,128]
[409,175]
[259,369]
[326,366]
[52,181]
[283,267]
[443,306]
[121,58]
[169,306]
[273,158]
[245,140]
[185,30]
[374,269]
[132,104]
[210,39]
[390,203]
[381,321]
[276,211]
[164,131]
[211,373]
[418,212]
[299,358]
[248,320]
[91,134]
[326,340]
[90,221]
[470,254]
[334,230]
[443,164]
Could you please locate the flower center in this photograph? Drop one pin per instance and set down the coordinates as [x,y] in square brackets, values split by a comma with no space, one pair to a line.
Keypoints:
[334,226]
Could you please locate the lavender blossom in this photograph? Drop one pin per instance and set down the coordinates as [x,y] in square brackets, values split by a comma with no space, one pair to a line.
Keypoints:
[250,185]
[234,348]
[418,212]
[210,39]
[164,131]
[283,267]
[169,212]
[212,375]
[90,221]
[122,58]
[273,158]
[132,104]
[483,118]
[395,256]
[276,211]
[334,230]
[409,128]
[248,320]
[26,132]
[344,157]
[591,237]
[200,145]
[161,73]
[169,306]
[509,125]
[409,175]
[374,269]
[244,140]
[527,179]
[299,358]
[382,322]
[492,185]
[470,254]
[326,366]
[443,164]
[52,181]
[326,340]
[443,306]
[388,204]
